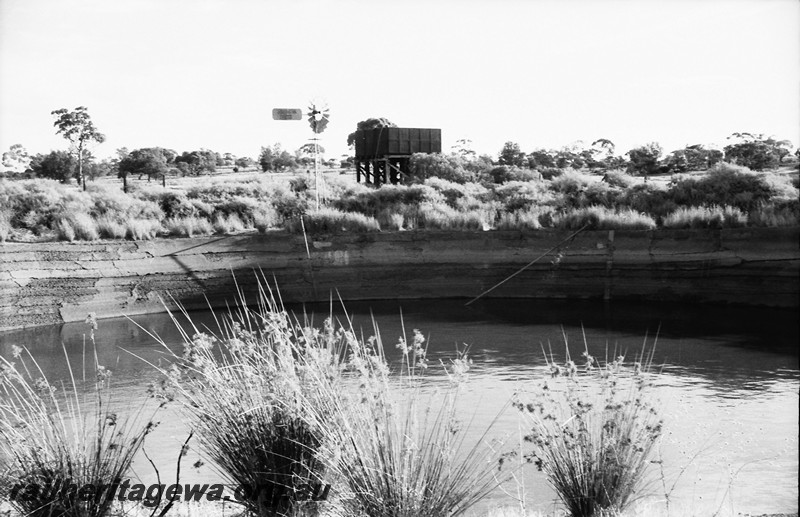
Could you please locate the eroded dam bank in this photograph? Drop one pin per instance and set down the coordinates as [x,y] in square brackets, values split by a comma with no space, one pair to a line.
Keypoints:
[56,282]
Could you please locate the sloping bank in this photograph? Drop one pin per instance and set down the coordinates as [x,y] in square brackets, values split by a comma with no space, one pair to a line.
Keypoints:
[47,283]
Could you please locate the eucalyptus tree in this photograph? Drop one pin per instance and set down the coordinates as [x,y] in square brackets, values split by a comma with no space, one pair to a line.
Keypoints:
[77,127]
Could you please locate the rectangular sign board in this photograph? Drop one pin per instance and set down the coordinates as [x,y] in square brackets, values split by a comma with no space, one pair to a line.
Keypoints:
[287,114]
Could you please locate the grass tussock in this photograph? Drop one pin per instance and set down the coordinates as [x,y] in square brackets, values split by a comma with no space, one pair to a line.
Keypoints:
[70,434]
[188,226]
[226,224]
[519,220]
[602,218]
[5,224]
[593,428]
[110,227]
[78,226]
[332,221]
[706,217]
[278,402]
[142,229]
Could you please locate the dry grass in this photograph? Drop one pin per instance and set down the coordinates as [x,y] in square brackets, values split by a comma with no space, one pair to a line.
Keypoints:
[706,217]
[602,218]
[332,221]
[188,226]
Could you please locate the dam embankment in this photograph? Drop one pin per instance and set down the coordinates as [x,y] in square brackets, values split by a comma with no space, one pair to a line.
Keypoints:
[56,282]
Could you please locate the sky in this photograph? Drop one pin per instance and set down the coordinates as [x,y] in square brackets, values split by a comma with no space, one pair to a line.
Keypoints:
[191,74]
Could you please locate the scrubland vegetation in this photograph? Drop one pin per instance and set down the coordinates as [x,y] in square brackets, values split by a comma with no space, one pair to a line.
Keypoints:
[276,402]
[445,193]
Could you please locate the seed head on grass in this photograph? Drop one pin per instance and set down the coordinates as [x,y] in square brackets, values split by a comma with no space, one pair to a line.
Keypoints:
[243,388]
[399,450]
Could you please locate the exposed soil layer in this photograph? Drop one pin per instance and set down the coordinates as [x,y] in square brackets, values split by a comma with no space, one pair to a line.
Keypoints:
[49,283]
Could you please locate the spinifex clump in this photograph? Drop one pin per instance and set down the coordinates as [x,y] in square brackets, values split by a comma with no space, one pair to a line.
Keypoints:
[593,428]
[52,439]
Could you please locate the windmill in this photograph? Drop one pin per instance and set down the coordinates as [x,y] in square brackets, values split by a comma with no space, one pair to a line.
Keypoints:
[318,116]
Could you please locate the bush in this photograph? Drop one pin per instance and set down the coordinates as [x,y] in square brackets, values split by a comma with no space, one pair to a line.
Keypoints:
[619,178]
[264,218]
[706,217]
[724,184]
[447,167]
[649,198]
[388,197]
[772,216]
[241,207]
[602,218]
[290,207]
[505,173]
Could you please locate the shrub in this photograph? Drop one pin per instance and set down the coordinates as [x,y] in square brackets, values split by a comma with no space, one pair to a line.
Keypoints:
[649,198]
[388,197]
[776,214]
[593,430]
[518,195]
[264,218]
[241,207]
[505,173]
[188,226]
[571,182]
[447,167]
[618,178]
[549,173]
[173,204]
[455,194]
[724,184]
[706,217]
[330,220]
[602,218]
[53,436]
[290,207]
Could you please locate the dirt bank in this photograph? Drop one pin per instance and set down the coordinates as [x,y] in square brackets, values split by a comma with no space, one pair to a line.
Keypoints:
[46,283]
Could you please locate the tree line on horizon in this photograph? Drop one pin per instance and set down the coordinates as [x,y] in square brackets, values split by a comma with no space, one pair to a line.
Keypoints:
[751,150]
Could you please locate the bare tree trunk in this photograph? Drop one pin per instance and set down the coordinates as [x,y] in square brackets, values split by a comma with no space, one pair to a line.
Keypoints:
[81,179]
